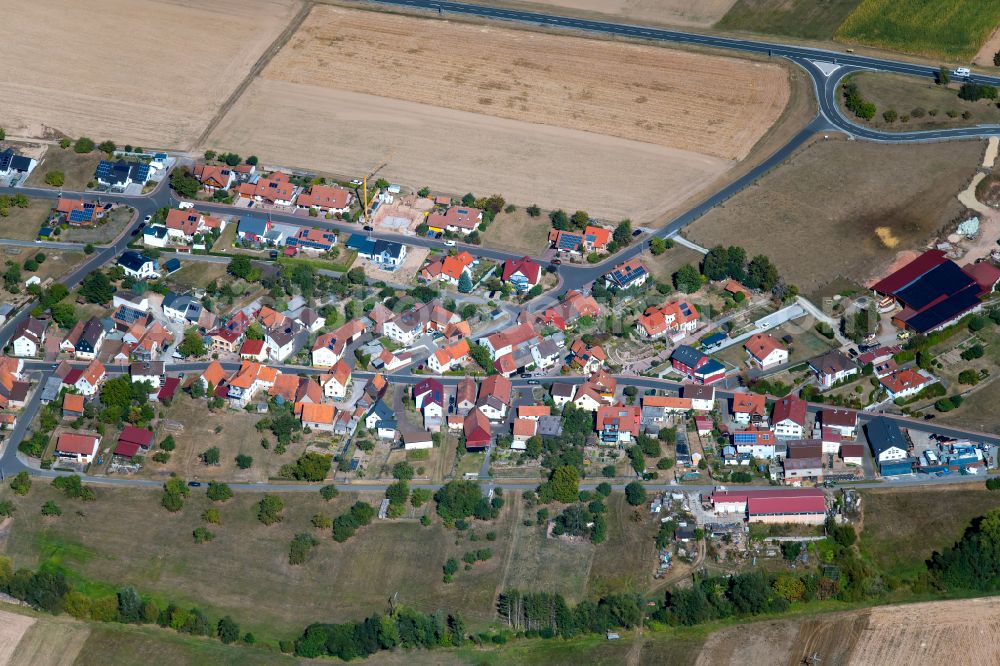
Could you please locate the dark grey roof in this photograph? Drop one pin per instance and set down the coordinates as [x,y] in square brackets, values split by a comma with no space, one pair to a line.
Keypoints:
[563,390]
[133,260]
[687,355]
[884,434]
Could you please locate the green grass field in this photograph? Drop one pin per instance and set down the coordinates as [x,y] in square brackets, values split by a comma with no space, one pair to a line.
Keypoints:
[902,528]
[947,28]
[807,19]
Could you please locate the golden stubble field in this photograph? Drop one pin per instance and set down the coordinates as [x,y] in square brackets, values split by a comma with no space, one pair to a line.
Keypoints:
[620,130]
[145,72]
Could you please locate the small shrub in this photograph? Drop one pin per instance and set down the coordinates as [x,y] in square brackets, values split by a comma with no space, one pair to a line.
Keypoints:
[202,535]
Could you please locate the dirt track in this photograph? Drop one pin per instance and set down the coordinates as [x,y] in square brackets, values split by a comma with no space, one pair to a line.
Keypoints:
[147,72]
[706,104]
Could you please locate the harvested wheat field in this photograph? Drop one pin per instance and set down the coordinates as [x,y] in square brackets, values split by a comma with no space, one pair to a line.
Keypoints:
[148,72]
[845,208]
[12,628]
[939,632]
[454,151]
[707,104]
[462,107]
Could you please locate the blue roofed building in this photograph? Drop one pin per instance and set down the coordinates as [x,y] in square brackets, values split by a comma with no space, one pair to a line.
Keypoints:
[385,254]
[138,265]
[890,446]
[119,175]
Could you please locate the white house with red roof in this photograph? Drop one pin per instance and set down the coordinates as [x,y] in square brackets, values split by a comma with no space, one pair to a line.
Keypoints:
[765,351]
[182,225]
[522,274]
[789,417]
[325,198]
[672,317]
[457,219]
[277,189]
[904,383]
[77,447]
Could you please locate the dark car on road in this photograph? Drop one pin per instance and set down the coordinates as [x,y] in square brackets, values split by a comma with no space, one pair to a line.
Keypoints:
[369,227]
[194,484]
[636,233]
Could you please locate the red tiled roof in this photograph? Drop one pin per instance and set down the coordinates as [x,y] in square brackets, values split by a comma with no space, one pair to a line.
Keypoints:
[761,345]
[143,438]
[526,266]
[72,442]
[792,408]
[126,449]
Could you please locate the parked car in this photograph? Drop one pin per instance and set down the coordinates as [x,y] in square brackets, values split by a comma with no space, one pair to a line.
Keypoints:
[184,205]
[273,254]
[928,417]
[194,484]
[147,219]
[438,235]
[533,382]
[450,243]
[369,227]
[636,233]
[557,261]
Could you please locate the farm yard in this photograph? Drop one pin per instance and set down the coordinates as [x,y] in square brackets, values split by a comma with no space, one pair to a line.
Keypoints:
[74,90]
[844,208]
[524,126]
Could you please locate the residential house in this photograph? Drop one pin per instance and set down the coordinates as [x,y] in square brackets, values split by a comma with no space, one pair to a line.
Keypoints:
[255,230]
[214,177]
[656,409]
[77,447]
[757,442]
[310,320]
[588,398]
[749,408]
[329,347]
[91,378]
[904,383]
[72,406]
[13,165]
[446,358]
[572,307]
[417,439]
[382,420]
[494,397]
[765,351]
[131,299]
[631,273]
[13,391]
[388,255]
[325,199]
[702,397]
[155,235]
[251,378]
[457,219]
[253,350]
[311,241]
[373,391]
[676,317]
[879,355]
[696,366]
[89,340]
[406,327]
[522,430]
[379,315]
[388,361]
[476,429]
[522,274]
[587,358]
[448,269]
[890,446]
[803,469]
[545,354]
[28,338]
[789,417]
[316,416]
[562,393]
[276,189]
[283,339]
[852,454]
[533,412]
[704,425]
[183,225]
[213,376]
[549,426]
[148,371]
[832,367]
[465,395]
[844,421]
[618,424]
[80,213]
[335,383]
[182,308]
[428,397]
[119,175]
[139,266]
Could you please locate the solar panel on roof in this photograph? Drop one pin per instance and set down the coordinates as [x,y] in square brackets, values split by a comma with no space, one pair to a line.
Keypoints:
[685,309]
[142,173]
[943,279]
[745,438]
[103,168]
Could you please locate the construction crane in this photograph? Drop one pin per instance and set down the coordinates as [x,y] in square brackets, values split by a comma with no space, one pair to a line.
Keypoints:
[366,203]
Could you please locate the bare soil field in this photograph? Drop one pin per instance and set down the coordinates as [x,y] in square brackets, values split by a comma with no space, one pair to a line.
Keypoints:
[844,208]
[700,13]
[707,104]
[456,151]
[148,72]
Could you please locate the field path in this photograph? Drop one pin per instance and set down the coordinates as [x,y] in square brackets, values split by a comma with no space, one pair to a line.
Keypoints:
[511,546]
[257,68]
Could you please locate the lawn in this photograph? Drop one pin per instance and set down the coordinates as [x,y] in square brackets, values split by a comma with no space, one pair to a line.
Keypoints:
[841,209]
[902,528]
[807,19]
[664,266]
[231,431]
[78,169]
[948,28]
[57,262]
[24,223]
[105,232]
[518,232]
[917,98]
[343,262]
[197,275]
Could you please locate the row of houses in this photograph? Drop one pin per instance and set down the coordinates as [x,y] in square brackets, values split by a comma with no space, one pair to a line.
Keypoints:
[275,188]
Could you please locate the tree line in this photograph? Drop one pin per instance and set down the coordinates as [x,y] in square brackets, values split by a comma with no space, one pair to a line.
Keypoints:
[547,614]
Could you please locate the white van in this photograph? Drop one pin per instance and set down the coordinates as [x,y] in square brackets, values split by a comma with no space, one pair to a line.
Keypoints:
[184,205]
[961,71]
